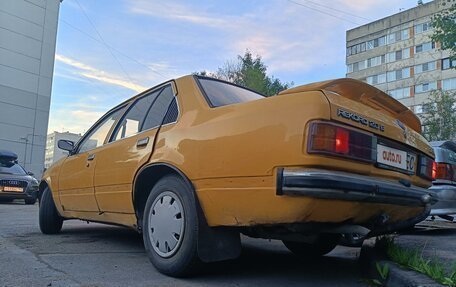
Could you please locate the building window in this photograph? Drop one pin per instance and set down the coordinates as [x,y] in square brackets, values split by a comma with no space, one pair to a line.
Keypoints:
[449,84]
[400,93]
[375,61]
[398,55]
[362,47]
[376,79]
[425,67]
[448,64]
[398,36]
[425,87]
[424,47]
[420,28]
[398,75]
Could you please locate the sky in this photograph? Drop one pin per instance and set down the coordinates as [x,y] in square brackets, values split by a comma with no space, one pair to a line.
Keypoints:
[109,50]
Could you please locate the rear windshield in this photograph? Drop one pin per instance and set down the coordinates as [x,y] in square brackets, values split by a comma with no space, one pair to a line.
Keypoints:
[220,93]
[8,167]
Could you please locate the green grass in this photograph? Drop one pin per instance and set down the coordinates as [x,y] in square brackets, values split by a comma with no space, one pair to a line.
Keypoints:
[413,259]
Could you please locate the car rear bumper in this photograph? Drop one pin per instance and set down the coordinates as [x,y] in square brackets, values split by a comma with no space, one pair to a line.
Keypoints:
[335,185]
[446,195]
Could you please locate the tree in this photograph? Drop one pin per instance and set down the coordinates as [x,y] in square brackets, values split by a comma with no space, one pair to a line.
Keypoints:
[439,120]
[444,24]
[249,72]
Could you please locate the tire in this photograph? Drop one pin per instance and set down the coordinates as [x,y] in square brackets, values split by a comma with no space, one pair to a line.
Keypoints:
[323,245]
[49,218]
[30,201]
[352,240]
[170,229]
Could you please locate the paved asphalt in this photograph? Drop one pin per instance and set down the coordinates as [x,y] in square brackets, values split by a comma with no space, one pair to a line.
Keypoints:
[434,240]
[101,255]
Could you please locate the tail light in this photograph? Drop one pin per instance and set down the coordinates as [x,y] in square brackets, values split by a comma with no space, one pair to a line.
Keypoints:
[426,167]
[443,171]
[334,139]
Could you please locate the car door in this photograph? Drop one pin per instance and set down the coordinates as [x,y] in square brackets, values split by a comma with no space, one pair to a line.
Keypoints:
[76,190]
[130,147]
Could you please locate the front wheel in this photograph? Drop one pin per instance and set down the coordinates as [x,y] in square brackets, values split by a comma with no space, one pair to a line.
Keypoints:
[324,244]
[170,228]
[49,218]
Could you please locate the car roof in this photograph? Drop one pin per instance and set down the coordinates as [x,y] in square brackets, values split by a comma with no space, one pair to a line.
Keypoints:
[451,145]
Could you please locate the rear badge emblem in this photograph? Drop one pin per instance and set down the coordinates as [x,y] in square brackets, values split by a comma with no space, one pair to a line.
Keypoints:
[360,119]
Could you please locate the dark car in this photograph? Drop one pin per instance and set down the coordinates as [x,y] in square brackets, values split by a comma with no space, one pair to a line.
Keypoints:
[444,175]
[15,182]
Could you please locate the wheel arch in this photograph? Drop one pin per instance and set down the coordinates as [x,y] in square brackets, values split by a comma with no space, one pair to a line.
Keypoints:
[214,244]
[146,179]
[43,185]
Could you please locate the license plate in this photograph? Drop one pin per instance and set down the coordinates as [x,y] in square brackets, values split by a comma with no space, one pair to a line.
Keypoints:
[396,158]
[12,189]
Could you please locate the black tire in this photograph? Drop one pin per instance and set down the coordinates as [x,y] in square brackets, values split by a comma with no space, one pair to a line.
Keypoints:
[50,220]
[323,245]
[352,240]
[30,201]
[184,260]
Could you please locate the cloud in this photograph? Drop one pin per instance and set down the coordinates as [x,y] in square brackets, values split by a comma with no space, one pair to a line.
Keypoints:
[87,71]
[175,11]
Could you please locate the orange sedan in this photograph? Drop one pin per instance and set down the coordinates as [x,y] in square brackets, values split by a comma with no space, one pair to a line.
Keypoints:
[196,161]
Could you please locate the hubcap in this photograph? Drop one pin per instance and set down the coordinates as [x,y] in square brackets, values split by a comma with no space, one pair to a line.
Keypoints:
[166,224]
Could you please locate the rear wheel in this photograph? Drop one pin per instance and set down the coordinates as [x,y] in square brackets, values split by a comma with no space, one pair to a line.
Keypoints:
[352,239]
[324,244]
[49,218]
[171,228]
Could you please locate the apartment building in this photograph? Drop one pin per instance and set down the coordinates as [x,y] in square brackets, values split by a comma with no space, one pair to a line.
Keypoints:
[397,55]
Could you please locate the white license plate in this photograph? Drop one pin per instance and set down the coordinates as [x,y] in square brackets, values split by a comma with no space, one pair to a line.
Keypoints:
[12,189]
[396,158]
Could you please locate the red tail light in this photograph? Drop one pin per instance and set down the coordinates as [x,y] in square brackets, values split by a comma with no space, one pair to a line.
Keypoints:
[434,170]
[342,141]
[334,139]
[443,171]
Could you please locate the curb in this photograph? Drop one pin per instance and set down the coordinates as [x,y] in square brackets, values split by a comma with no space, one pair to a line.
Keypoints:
[397,275]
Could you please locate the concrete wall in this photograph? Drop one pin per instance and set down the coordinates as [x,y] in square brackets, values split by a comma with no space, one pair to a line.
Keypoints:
[28,30]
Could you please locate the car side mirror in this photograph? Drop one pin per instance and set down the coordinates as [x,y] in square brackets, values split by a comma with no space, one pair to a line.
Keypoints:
[30,173]
[65,145]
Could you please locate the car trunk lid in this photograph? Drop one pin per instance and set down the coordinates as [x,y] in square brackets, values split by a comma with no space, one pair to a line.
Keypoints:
[361,105]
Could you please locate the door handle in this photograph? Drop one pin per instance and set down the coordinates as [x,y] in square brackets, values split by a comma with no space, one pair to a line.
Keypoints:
[91,156]
[142,142]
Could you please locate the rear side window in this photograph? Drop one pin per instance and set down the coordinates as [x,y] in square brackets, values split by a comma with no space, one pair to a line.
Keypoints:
[133,120]
[159,108]
[220,93]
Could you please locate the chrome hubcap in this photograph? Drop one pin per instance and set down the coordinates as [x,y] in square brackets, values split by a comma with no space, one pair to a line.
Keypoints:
[166,224]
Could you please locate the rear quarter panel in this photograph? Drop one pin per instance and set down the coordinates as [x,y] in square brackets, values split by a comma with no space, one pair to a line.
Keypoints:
[240,140]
